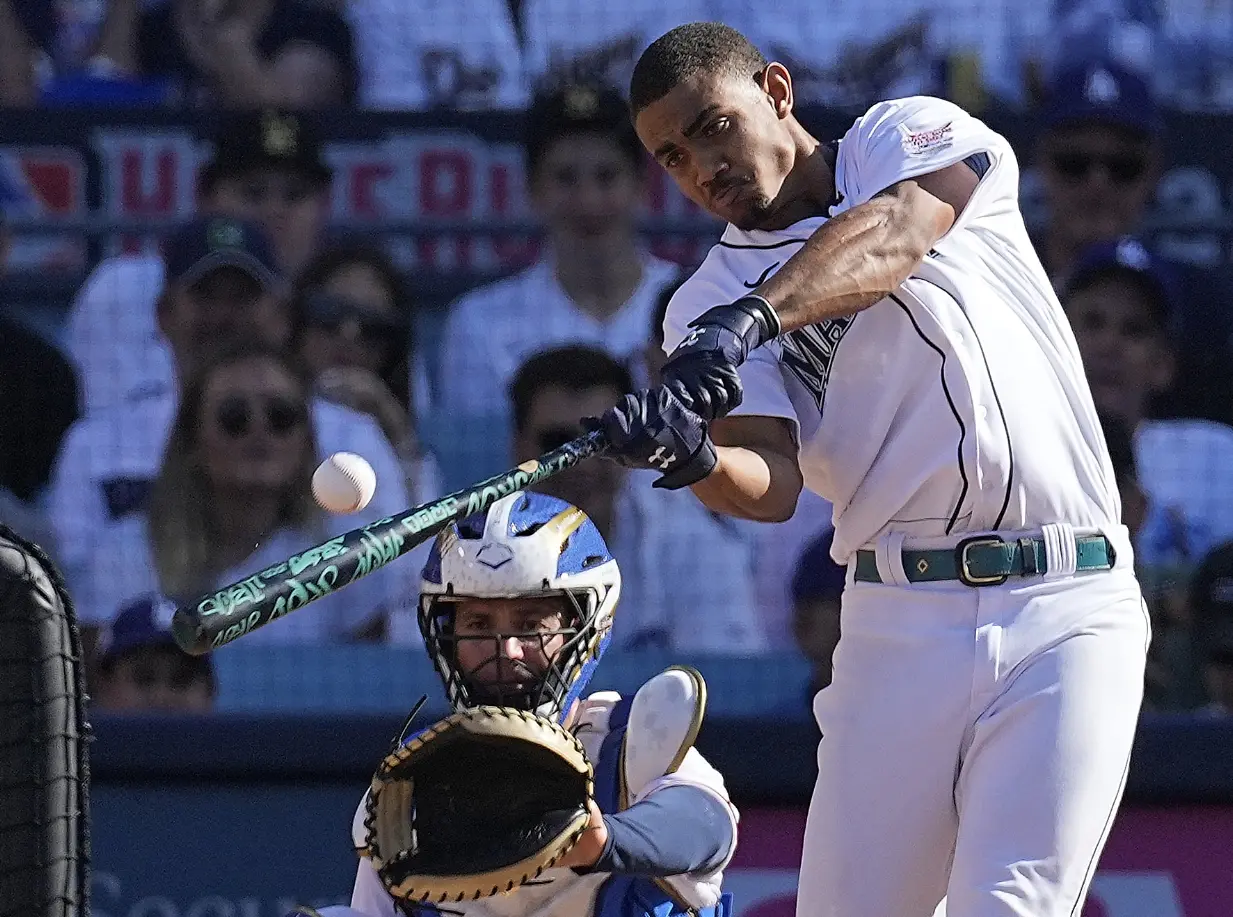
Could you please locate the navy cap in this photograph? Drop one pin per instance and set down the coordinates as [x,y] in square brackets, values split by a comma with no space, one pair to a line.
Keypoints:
[212,242]
[248,140]
[1104,92]
[818,577]
[1130,256]
[146,621]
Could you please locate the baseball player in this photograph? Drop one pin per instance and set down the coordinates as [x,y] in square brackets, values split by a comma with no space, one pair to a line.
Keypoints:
[874,325]
[516,609]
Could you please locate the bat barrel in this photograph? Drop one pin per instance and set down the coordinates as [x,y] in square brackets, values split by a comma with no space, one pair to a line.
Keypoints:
[230,613]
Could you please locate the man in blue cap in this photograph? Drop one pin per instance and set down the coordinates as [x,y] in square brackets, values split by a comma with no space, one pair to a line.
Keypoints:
[1099,158]
[140,667]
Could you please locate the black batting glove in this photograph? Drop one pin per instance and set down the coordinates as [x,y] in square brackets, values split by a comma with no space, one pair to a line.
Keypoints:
[702,370]
[653,430]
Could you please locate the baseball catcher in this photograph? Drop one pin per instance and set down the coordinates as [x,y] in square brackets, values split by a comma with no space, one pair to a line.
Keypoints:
[531,798]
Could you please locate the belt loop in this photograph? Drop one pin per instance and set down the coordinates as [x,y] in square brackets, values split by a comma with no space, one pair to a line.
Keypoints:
[888,551]
[1061,550]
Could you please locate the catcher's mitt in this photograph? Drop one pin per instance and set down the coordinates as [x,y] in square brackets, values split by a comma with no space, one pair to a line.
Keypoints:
[478,804]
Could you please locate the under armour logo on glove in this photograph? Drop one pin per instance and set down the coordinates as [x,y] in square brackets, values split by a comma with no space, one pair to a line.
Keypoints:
[653,430]
[661,461]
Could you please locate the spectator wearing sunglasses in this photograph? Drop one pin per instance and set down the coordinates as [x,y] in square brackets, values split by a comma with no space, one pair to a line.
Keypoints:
[233,496]
[354,331]
[680,563]
[1100,158]
[266,166]
[223,290]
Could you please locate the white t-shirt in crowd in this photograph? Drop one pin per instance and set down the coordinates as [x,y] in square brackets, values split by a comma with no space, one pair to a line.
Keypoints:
[452,54]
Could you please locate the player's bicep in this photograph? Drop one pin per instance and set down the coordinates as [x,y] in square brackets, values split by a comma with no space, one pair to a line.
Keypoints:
[936,200]
[776,435]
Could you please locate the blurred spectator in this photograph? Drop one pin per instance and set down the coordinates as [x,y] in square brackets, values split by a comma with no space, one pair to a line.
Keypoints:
[233,53]
[1118,300]
[817,591]
[1172,678]
[437,54]
[779,545]
[38,388]
[577,41]
[356,322]
[854,54]
[686,573]
[265,166]
[1100,158]
[1212,606]
[596,284]
[233,497]
[222,291]
[140,667]
[22,40]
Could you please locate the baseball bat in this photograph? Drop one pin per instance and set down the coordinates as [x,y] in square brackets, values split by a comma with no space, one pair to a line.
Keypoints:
[222,617]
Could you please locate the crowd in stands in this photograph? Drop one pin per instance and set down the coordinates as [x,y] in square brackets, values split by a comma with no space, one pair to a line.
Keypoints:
[161,442]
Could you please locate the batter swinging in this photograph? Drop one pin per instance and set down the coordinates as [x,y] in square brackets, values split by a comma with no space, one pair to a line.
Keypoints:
[874,324]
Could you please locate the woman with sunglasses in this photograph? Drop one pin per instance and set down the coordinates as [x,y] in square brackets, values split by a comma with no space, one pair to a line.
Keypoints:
[233,496]
[355,335]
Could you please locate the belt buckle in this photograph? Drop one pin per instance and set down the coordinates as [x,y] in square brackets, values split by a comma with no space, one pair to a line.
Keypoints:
[961,555]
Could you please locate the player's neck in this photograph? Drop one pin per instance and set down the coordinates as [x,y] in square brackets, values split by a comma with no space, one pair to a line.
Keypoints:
[598,275]
[809,188]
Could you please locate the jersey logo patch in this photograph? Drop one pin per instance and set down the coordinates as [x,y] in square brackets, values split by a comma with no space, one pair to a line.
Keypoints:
[809,352]
[916,143]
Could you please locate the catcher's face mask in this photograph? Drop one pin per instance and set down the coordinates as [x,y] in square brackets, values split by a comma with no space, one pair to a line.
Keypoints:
[509,652]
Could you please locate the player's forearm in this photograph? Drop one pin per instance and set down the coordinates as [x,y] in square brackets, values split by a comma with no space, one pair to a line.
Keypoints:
[680,830]
[858,258]
[751,483]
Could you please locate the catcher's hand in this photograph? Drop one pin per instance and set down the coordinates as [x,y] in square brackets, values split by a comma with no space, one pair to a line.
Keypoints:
[477,804]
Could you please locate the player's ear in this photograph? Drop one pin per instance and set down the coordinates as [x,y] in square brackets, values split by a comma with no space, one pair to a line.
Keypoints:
[777,83]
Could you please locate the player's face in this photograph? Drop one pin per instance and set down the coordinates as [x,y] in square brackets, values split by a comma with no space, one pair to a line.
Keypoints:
[725,142]
[1098,179]
[587,187]
[505,646]
[1124,356]
[253,432]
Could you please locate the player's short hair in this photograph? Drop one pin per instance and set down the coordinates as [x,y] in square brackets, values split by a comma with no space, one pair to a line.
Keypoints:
[696,47]
[575,367]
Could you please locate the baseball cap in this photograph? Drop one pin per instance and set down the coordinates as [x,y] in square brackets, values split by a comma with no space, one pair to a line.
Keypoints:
[247,140]
[1211,600]
[1129,256]
[818,577]
[143,622]
[1105,92]
[574,109]
[208,243]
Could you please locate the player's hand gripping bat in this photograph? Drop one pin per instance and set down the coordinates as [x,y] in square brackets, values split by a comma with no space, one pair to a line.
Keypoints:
[241,608]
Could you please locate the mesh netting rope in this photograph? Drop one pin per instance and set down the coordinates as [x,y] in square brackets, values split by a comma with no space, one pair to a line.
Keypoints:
[44,740]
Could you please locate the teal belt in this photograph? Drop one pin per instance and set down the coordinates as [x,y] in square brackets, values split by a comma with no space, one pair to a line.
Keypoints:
[987,560]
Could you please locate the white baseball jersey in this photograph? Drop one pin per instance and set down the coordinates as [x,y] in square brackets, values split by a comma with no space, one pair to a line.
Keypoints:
[562,892]
[958,403]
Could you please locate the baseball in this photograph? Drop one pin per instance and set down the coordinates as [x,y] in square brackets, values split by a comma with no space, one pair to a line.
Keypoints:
[344,483]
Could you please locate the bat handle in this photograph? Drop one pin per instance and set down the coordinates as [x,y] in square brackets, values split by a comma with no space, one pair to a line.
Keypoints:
[189,632]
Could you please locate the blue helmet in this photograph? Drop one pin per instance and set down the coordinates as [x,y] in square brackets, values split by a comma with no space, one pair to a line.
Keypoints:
[527,545]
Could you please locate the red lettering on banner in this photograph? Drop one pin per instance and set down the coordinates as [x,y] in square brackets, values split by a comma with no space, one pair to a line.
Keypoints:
[362,187]
[145,174]
[446,179]
[135,197]
[509,249]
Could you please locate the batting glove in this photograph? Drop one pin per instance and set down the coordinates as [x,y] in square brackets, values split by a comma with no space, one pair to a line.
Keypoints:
[702,370]
[653,430]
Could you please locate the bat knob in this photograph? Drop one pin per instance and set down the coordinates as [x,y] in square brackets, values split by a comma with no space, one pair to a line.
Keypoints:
[189,632]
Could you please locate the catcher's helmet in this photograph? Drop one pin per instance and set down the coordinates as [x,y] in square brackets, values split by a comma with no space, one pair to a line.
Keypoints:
[527,545]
